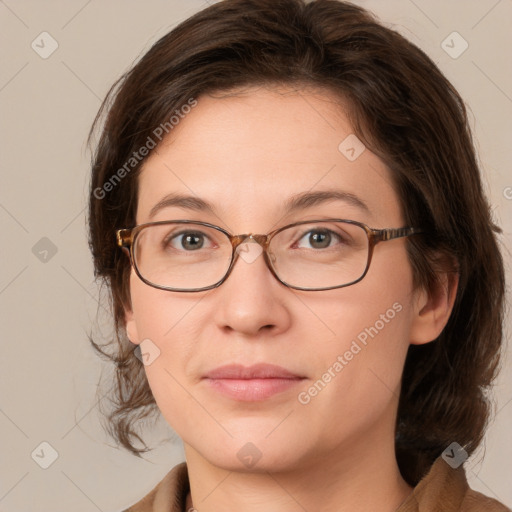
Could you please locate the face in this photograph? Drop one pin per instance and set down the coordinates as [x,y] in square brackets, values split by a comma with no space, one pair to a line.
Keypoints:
[340,352]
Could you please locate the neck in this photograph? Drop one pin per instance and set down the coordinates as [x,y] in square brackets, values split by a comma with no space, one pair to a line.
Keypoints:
[354,479]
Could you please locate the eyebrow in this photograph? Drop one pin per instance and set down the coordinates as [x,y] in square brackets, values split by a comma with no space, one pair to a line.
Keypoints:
[293,204]
[309,199]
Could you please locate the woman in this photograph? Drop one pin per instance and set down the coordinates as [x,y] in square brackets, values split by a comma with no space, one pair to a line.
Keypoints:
[286,206]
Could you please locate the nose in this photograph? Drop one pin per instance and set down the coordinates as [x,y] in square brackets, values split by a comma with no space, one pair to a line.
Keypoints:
[252,300]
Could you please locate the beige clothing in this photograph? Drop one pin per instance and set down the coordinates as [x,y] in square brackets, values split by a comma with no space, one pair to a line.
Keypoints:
[443,489]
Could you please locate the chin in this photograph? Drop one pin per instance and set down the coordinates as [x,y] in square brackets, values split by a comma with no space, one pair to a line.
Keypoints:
[253,454]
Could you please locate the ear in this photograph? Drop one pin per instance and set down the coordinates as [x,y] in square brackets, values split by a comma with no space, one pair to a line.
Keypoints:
[432,310]
[131,326]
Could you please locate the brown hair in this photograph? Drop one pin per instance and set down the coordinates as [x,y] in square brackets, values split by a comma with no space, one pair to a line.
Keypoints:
[404,110]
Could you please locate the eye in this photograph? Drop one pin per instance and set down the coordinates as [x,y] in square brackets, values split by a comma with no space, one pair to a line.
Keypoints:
[186,240]
[320,238]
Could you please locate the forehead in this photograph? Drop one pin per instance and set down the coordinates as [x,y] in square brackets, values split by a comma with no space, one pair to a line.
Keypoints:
[247,154]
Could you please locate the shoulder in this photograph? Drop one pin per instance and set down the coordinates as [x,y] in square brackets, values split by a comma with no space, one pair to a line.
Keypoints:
[169,494]
[476,502]
[446,488]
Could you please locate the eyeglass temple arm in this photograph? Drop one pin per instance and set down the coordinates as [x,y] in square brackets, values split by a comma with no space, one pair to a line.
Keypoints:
[124,237]
[382,235]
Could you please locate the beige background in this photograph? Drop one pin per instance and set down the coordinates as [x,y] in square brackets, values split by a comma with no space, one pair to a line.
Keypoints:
[48,372]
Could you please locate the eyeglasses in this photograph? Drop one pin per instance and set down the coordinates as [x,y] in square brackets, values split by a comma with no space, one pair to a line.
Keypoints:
[312,255]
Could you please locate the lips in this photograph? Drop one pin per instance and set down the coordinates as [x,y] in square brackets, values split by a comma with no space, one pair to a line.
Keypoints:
[253,383]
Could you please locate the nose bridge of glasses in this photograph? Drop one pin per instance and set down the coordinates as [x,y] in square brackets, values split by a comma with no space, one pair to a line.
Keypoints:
[249,247]
[249,238]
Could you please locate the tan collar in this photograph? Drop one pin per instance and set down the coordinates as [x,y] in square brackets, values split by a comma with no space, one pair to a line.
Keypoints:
[442,489]
[442,485]
[447,489]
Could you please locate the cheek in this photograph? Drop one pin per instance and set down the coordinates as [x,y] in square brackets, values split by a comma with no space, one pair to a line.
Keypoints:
[159,314]
[362,340]
[168,332]
[356,384]
[359,362]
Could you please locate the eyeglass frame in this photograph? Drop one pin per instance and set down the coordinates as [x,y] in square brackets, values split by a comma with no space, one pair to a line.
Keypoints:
[126,238]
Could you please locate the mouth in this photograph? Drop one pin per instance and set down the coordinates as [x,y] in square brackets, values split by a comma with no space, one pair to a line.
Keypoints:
[251,384]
